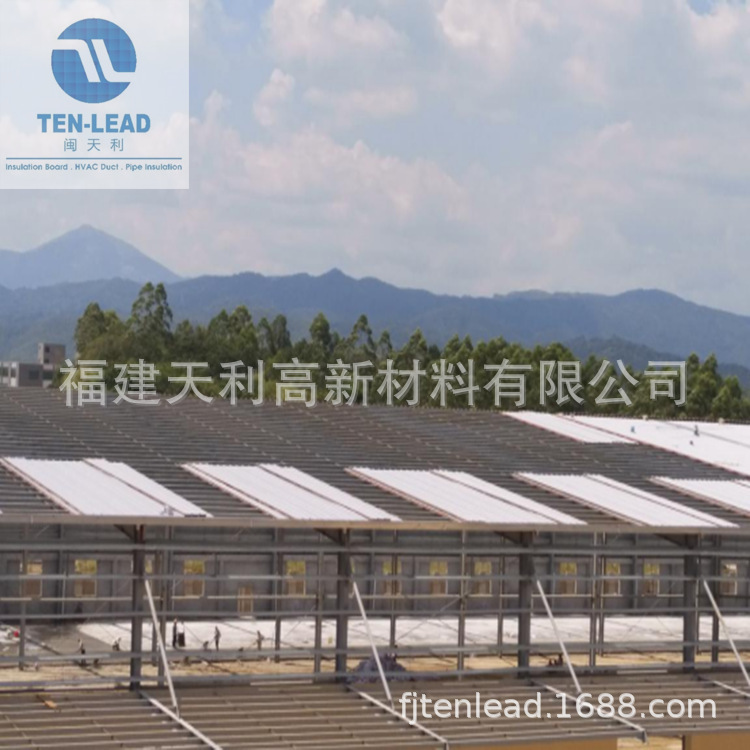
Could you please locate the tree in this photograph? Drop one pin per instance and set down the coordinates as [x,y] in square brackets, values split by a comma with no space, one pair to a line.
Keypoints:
[232,337]
[91,326]
[99,334]
[704,384]
[415,348]
[320,335]
[729,402]
[274,337]
[150,324]
[360,345]
[384,348]
[187,342]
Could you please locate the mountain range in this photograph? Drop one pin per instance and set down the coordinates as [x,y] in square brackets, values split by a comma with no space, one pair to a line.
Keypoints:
[42,296]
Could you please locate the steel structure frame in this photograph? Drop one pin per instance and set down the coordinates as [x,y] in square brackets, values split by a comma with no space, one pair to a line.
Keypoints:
[526,586]
[142,578]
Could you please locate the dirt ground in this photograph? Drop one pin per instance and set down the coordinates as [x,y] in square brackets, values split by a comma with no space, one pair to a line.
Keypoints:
[65,642]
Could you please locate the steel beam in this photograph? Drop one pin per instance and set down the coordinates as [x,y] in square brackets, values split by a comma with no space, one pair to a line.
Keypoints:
[728,635]
[136,625]
[527,575]
[563,647]
[344,578]
[375,654]
[690,632]
[162,650]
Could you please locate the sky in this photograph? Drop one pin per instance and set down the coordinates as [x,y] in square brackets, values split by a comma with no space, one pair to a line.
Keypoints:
[464,146]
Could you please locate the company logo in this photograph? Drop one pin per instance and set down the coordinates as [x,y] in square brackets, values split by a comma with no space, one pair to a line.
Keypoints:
[94,61]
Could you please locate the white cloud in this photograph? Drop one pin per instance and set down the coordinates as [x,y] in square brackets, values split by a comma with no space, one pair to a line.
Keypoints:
[199,9]
[562,144]
[716,29]
[309,167]
[316,30]
[209,16]
[272,96]
[355,178]
[586,78]
[378,103]
[492,30]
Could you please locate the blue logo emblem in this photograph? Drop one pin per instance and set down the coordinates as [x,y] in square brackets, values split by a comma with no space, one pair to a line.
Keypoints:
[94,61]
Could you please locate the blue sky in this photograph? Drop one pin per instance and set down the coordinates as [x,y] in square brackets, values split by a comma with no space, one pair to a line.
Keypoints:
[465,146]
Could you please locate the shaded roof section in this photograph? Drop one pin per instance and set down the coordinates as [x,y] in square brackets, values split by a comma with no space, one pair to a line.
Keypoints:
[322,442]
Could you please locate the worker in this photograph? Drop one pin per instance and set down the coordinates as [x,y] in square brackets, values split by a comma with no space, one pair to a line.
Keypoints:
[217,637]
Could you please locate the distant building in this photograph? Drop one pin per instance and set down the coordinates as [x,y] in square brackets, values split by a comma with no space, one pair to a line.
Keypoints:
[37,374]
[51,355]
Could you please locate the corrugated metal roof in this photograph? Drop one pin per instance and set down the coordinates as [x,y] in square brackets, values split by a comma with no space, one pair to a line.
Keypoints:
[734,495]
[91,720]
[718,445]
[329,493]
[466,729]
[624,501]
[736,433]
[295,717]
[143,485]
[323,442]
[325,716]
[730,715]
[100,488]
[462,497]
[507,496]
[567,427]
[285,492]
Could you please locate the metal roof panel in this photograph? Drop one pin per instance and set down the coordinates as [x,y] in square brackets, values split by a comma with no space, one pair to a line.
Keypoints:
[567,427]
[508,496]
[624,501]
[712,444]
[287,493]
[726,493]
[454,496]
[99,488]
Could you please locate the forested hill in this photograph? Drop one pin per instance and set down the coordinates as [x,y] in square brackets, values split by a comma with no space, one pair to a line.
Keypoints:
[151,340]
[653,319]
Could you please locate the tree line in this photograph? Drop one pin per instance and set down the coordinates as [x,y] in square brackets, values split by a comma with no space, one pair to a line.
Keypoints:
[149,334]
